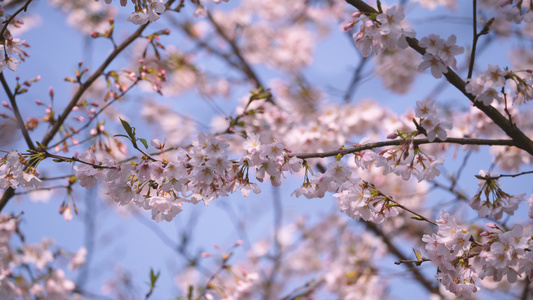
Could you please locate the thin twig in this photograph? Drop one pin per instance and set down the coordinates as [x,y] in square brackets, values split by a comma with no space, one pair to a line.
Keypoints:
[245,67]
[101,110]
[57,125]
[474,42]
[42,189]
[395,251]
[16,111]
[407,261]
[355,79]
[408,209]
[72,158]
[505,175]
[85,86]
[6,23]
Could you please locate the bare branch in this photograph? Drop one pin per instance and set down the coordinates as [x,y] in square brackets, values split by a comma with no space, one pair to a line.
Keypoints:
[77,96]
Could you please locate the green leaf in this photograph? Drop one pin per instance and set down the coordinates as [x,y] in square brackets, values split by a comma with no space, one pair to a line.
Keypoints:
[153,277]
[144,143]
[122,135]
[128,129]
[417,254]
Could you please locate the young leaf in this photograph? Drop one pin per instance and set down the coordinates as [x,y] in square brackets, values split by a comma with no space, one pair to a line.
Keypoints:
[127,127]
[122,135]
[144,143]
[153,277]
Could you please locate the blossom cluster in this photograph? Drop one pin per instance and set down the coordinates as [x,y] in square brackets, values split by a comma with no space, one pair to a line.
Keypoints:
[430,122]
[506,253]
[384,32]
[344,260]
[143,15]
[446,250]
[87,16]
[496,201]
[13,172]
[404,160]
[11,46]
[484,87]
[513,12]
[463,262]
[45,281]
[440,54]
[149,11]
[147,14]
[363,201]
[398,69]
[201,173]
[489,86]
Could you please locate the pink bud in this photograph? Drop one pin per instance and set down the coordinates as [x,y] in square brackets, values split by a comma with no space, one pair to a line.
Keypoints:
[348,25]
[392,136]
[356,14]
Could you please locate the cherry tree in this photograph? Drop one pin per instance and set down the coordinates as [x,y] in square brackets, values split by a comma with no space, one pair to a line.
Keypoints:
[116,134]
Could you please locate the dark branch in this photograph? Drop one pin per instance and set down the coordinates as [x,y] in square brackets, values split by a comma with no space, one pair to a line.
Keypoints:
[520,139]
[17,112]
[415,142]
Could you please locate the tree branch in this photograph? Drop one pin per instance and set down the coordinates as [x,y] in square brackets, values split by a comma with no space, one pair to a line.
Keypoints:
[6,23]
[61,119]
[358,148]
[16,111]
[395,251]
[245,67]
[9,193]
[521,140]
[474,41]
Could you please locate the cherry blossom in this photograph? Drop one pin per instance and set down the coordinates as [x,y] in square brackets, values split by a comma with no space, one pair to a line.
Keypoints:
[286,125]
